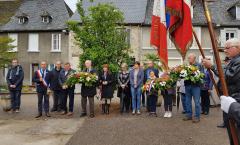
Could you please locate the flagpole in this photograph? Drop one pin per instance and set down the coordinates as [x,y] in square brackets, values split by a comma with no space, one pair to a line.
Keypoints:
[203,55]
[219,67]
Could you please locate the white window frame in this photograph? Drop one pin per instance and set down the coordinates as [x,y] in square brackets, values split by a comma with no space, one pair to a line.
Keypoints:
[5,73]
[14,36]
[33,46]
[58,44]
[238,12]
[45,19]
[22,20]
[227,30]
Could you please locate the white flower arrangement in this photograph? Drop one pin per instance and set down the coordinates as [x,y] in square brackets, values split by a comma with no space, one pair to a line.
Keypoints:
[183,73]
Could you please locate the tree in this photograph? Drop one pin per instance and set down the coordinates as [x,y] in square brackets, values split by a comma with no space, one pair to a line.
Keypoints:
[101,36]
[5,51]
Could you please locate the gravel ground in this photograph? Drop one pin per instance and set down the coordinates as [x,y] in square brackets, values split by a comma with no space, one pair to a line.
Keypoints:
[113,129]
[126,129]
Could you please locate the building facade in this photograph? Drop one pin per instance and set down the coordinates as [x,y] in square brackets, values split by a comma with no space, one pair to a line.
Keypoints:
[39,31]
[138,13]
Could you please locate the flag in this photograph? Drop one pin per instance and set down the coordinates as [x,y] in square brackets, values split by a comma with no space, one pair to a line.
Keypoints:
[180,28]
[159,31]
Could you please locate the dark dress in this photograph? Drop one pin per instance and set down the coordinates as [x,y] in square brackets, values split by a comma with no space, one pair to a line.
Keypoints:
[107,90]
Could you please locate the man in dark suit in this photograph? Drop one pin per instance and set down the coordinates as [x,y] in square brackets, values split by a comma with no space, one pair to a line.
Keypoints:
[55,86]
[14,79]
[41,78]
[66,90]
[88,92]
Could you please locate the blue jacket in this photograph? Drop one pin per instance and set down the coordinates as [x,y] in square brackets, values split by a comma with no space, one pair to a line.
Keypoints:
[207,82]
[140,78]
[147,71]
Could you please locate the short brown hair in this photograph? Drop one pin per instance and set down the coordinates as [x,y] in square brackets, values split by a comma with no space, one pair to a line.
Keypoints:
[106,65]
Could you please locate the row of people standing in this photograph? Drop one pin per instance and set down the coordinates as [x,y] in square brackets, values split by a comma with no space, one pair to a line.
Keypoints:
[130,82]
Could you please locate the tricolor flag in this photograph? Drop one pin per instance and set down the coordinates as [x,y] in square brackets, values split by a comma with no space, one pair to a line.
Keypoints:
[180,28]
[159,31]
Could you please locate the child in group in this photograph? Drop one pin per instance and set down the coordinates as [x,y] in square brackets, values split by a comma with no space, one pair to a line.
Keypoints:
[168,100]
[152,94]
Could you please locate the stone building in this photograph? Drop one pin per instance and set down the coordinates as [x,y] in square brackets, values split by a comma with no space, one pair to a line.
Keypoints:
[39,30]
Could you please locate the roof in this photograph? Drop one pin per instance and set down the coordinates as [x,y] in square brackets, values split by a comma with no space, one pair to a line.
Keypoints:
[140,11]
[134,11]
[33,9]
[219,13]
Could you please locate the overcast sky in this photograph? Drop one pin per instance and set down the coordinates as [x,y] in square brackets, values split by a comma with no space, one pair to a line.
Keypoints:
[72,4]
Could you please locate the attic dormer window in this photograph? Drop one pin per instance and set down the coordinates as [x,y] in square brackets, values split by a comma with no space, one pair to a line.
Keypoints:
[238,12]
[46,18]
[22,20]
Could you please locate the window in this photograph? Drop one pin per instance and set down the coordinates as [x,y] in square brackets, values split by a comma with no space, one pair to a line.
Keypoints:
[5,73]
[33,68]
[198,32]
[128,37]
[46,19]
[56,42]
[33,44]
[230,34]
[14,37]
[238,12]
[22,20]
[227,34]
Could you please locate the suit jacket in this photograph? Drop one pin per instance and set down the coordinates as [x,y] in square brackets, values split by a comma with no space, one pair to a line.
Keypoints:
[15,76]
[140,77]
[89,91]
[54,79]
[63,77]
[41,88]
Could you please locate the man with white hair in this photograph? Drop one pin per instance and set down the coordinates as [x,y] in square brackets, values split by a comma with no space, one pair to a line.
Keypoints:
[88,92]
[232,75]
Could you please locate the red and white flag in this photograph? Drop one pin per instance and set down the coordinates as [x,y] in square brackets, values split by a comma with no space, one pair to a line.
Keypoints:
[180,28]
[159,31]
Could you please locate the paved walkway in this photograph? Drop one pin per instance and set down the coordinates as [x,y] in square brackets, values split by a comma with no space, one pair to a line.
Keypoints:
[113,129]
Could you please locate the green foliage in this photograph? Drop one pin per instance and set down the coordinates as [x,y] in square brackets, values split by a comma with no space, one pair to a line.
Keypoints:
[101,36]
[5,47]
[153,57]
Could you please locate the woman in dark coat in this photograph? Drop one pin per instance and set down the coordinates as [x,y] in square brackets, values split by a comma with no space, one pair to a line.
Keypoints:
[107,88]
[124,88]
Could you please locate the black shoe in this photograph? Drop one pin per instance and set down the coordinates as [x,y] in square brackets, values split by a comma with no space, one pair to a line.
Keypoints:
[203,113]
[48,115]
[39,115]
[221,125]
[206,113]
[53,110]
[83,114]
[183,112]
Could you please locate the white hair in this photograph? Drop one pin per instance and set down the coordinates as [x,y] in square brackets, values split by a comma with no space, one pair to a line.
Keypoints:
[234,42]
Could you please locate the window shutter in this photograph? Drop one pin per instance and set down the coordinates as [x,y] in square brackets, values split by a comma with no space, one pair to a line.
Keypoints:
[222,37]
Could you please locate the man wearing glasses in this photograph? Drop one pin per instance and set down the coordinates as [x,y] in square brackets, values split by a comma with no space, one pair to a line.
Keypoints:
[232,74]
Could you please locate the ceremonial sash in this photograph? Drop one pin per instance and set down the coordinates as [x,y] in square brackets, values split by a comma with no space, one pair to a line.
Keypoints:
[40,76]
